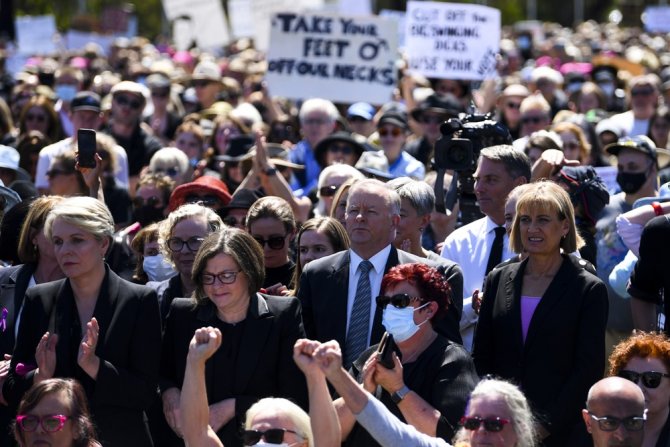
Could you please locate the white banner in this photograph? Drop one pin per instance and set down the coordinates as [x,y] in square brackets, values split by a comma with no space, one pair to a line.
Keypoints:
[452,40]
[241,18]
[344,59]
[207,21]
[35,34]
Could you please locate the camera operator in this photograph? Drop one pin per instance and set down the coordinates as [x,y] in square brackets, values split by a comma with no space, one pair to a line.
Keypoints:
[481,245]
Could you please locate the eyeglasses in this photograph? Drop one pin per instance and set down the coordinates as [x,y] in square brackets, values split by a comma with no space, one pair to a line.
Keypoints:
[428,119]
[490,424]
[231,221]
[513,105]
[642,92]
[314,121]
[36,117]
[399,300]
[50,423]
[201,83]
[152,201]
[209,200]
[228,277]
[610,423]
[395,132]
[125,101]
[328,191]
[650,379]
[176,244]
[532,119]
[55,172]
[271,436]
[170,172]
[342,148]
[274,242]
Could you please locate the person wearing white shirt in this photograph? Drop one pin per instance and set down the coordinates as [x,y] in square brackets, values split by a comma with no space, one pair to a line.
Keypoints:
[499,170]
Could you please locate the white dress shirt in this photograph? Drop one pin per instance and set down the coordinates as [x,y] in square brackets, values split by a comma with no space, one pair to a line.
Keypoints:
[469,247]
[376,274]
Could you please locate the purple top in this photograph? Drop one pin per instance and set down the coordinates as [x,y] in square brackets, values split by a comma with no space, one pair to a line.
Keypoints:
[528,306]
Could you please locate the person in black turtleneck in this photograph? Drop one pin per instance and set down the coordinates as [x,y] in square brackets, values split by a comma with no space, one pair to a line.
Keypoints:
[271,222]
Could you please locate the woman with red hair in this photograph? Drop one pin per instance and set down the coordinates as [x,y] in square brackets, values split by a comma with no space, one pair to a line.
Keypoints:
[431,378]
[644,358]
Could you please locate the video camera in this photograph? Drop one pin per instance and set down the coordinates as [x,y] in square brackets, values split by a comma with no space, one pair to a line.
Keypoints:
[458,150]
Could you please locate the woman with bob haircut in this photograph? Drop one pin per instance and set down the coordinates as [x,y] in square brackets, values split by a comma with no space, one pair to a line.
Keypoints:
[55,411]
[504,403]
[542,320]
[576,145]
[644,358]
[259,331]
[92,326]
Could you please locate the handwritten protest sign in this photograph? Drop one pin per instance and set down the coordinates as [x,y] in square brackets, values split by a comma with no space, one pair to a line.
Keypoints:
[35,34]
[263,10]
[344,59]
[452,40]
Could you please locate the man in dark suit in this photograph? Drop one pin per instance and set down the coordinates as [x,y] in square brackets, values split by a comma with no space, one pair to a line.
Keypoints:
[328,286]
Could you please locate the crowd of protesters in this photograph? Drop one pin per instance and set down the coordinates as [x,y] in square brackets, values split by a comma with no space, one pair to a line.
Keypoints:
[229,246]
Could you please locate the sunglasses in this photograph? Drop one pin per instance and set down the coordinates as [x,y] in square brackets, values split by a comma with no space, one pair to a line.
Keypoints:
[56,172]
[274,242]
[642,92]
[125,101]
[650,379]
[610,423]
[395,132]
[209,200]
[201,83]
[513,105]
[50,423]
[271,436]
[432,120]
[152,201]
[231,221]
[223,277]
[170,172]
[328,191]
[343,149]
[176,244]
[532,119]
[399,300]
[160,93]
[36,117]
[493,425]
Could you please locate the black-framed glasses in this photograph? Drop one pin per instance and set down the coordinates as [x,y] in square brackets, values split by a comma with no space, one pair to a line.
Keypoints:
[226,277]
[610,423]
[152,201]
[55,172]
[274,242]
[271,436]
[232,221]
[490,424]
[399,300]
[328,191]
[176,244]
[134,104]
[208,200]
[50,423]
[650,379]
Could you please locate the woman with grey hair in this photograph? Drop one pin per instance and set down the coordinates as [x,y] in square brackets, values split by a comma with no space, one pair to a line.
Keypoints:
[172,162]
[259,331]
[91,326]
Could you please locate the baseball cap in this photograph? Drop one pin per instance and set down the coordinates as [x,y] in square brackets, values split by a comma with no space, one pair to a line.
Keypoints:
[86,101]
[640,143]
[361,109]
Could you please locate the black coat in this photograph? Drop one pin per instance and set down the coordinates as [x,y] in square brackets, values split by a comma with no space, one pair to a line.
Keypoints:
[128,348]
[263,363]
[564,352]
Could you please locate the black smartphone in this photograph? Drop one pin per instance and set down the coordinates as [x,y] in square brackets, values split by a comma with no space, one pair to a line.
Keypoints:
[87,147]
[385,351]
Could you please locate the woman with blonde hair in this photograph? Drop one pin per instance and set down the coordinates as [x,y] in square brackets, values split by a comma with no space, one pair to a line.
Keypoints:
[576,145]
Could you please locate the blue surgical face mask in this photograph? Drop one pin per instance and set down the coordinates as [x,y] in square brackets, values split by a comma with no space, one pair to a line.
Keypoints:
[157,268]
[400,322]
[65,92]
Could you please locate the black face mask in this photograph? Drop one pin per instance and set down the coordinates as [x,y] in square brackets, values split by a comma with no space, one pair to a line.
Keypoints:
[630,182]
[147,214]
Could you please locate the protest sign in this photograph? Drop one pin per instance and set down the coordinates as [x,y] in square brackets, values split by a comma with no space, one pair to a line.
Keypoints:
[241,19]
[656,19]
[208,21]
[264,10]
[452,40]
[344,59]
[35,34]
[355,7]
[399,18]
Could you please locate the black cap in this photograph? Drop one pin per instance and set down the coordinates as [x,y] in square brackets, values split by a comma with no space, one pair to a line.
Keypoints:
[442,104]
[238,148]
[86,101]
[640,143]
[397,119]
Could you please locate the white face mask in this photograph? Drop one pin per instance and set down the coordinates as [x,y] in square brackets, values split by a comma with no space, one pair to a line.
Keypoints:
[157,268]
[400,322]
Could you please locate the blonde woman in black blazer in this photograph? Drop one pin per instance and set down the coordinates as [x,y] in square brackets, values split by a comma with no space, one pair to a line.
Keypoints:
[92,326]
[542,320]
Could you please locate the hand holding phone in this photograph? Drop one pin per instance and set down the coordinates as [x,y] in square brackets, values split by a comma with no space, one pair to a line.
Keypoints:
[87,148]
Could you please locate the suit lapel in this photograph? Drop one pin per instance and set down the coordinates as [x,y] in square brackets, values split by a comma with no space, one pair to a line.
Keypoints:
[104,306]
[513,285]
[257,328]
[339,294]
